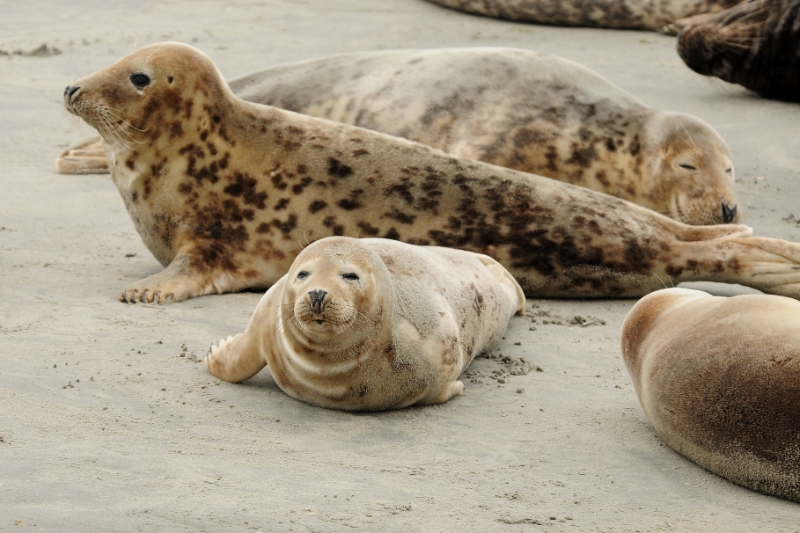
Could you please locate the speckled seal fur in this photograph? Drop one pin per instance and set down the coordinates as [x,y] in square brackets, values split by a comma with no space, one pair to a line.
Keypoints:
[373,324]
[222,191]
[519,109]
[755,44]
[719,379]
[620,14]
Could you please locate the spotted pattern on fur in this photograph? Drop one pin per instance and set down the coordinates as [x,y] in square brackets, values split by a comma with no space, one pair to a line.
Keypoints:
[621,14]
[212,203]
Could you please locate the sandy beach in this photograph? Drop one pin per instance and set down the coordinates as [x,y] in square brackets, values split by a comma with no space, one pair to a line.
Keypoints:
[109,421]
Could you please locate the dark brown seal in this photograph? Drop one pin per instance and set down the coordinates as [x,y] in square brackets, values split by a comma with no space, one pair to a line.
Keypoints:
[222,191]
[719,379]
[755,44]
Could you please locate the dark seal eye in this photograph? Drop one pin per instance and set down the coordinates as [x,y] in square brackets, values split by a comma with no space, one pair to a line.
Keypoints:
[687,167]
[728,170]
[303,274]
[139,80]
[351,276]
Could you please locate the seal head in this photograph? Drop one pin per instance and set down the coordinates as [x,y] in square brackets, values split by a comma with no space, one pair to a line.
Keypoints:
[339,298]
[754,44]
[692,172]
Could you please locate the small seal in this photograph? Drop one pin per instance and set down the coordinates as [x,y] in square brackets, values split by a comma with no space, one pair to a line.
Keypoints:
[222,191]
[619,14]
[373,324]
[719,379]
[518,109]
[755,44]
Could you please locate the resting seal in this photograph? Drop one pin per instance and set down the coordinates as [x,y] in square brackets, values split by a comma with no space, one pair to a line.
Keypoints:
[719,379]
[373,324]
[222,190]
[620,14]
[524,110]
[755,44]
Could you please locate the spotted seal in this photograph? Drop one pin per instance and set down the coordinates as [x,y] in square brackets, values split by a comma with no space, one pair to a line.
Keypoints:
[719,379]
[525,110]
[373,324]
[755,44]
[619,14]
[222,191]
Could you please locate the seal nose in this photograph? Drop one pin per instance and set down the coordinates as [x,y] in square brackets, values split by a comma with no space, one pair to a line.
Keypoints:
[316,300]
[69,91]
[728,213]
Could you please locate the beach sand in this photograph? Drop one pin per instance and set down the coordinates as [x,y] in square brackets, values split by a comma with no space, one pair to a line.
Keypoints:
[109,421]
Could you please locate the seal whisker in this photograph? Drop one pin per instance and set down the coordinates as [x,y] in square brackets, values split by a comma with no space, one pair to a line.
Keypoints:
[111,112]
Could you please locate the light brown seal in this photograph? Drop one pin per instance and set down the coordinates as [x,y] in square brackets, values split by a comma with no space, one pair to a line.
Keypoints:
[222,190]
[373,324]
[619,14]
[519,109]
[719,379]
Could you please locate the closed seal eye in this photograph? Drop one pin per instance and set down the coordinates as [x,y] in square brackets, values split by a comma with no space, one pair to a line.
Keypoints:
[351,276]
[687,167]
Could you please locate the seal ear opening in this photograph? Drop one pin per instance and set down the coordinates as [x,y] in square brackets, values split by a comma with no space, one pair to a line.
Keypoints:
[507,281]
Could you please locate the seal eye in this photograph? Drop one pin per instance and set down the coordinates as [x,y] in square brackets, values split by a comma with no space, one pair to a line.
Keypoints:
[687,167]
[303,274]
[139,80]
[728,170]
[351,276]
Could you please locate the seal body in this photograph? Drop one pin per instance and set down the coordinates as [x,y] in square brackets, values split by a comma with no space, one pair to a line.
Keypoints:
[719,379]
[519,109]
[222,191]
[529,111]
[373,324]
[620,14]
[754,44]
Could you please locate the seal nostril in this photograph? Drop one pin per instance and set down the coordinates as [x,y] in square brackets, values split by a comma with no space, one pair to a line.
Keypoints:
[69,91]
[728,213]
[317,296]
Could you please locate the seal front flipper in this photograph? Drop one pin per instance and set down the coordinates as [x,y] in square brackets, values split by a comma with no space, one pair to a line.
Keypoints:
[236,358]
[179,281]
[769,265]
[84,157]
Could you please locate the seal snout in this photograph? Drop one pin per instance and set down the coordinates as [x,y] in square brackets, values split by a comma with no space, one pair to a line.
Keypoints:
[728,212]
[317,300]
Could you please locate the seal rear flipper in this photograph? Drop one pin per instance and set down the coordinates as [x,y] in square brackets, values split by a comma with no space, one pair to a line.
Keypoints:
[84,157]
[454,388]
